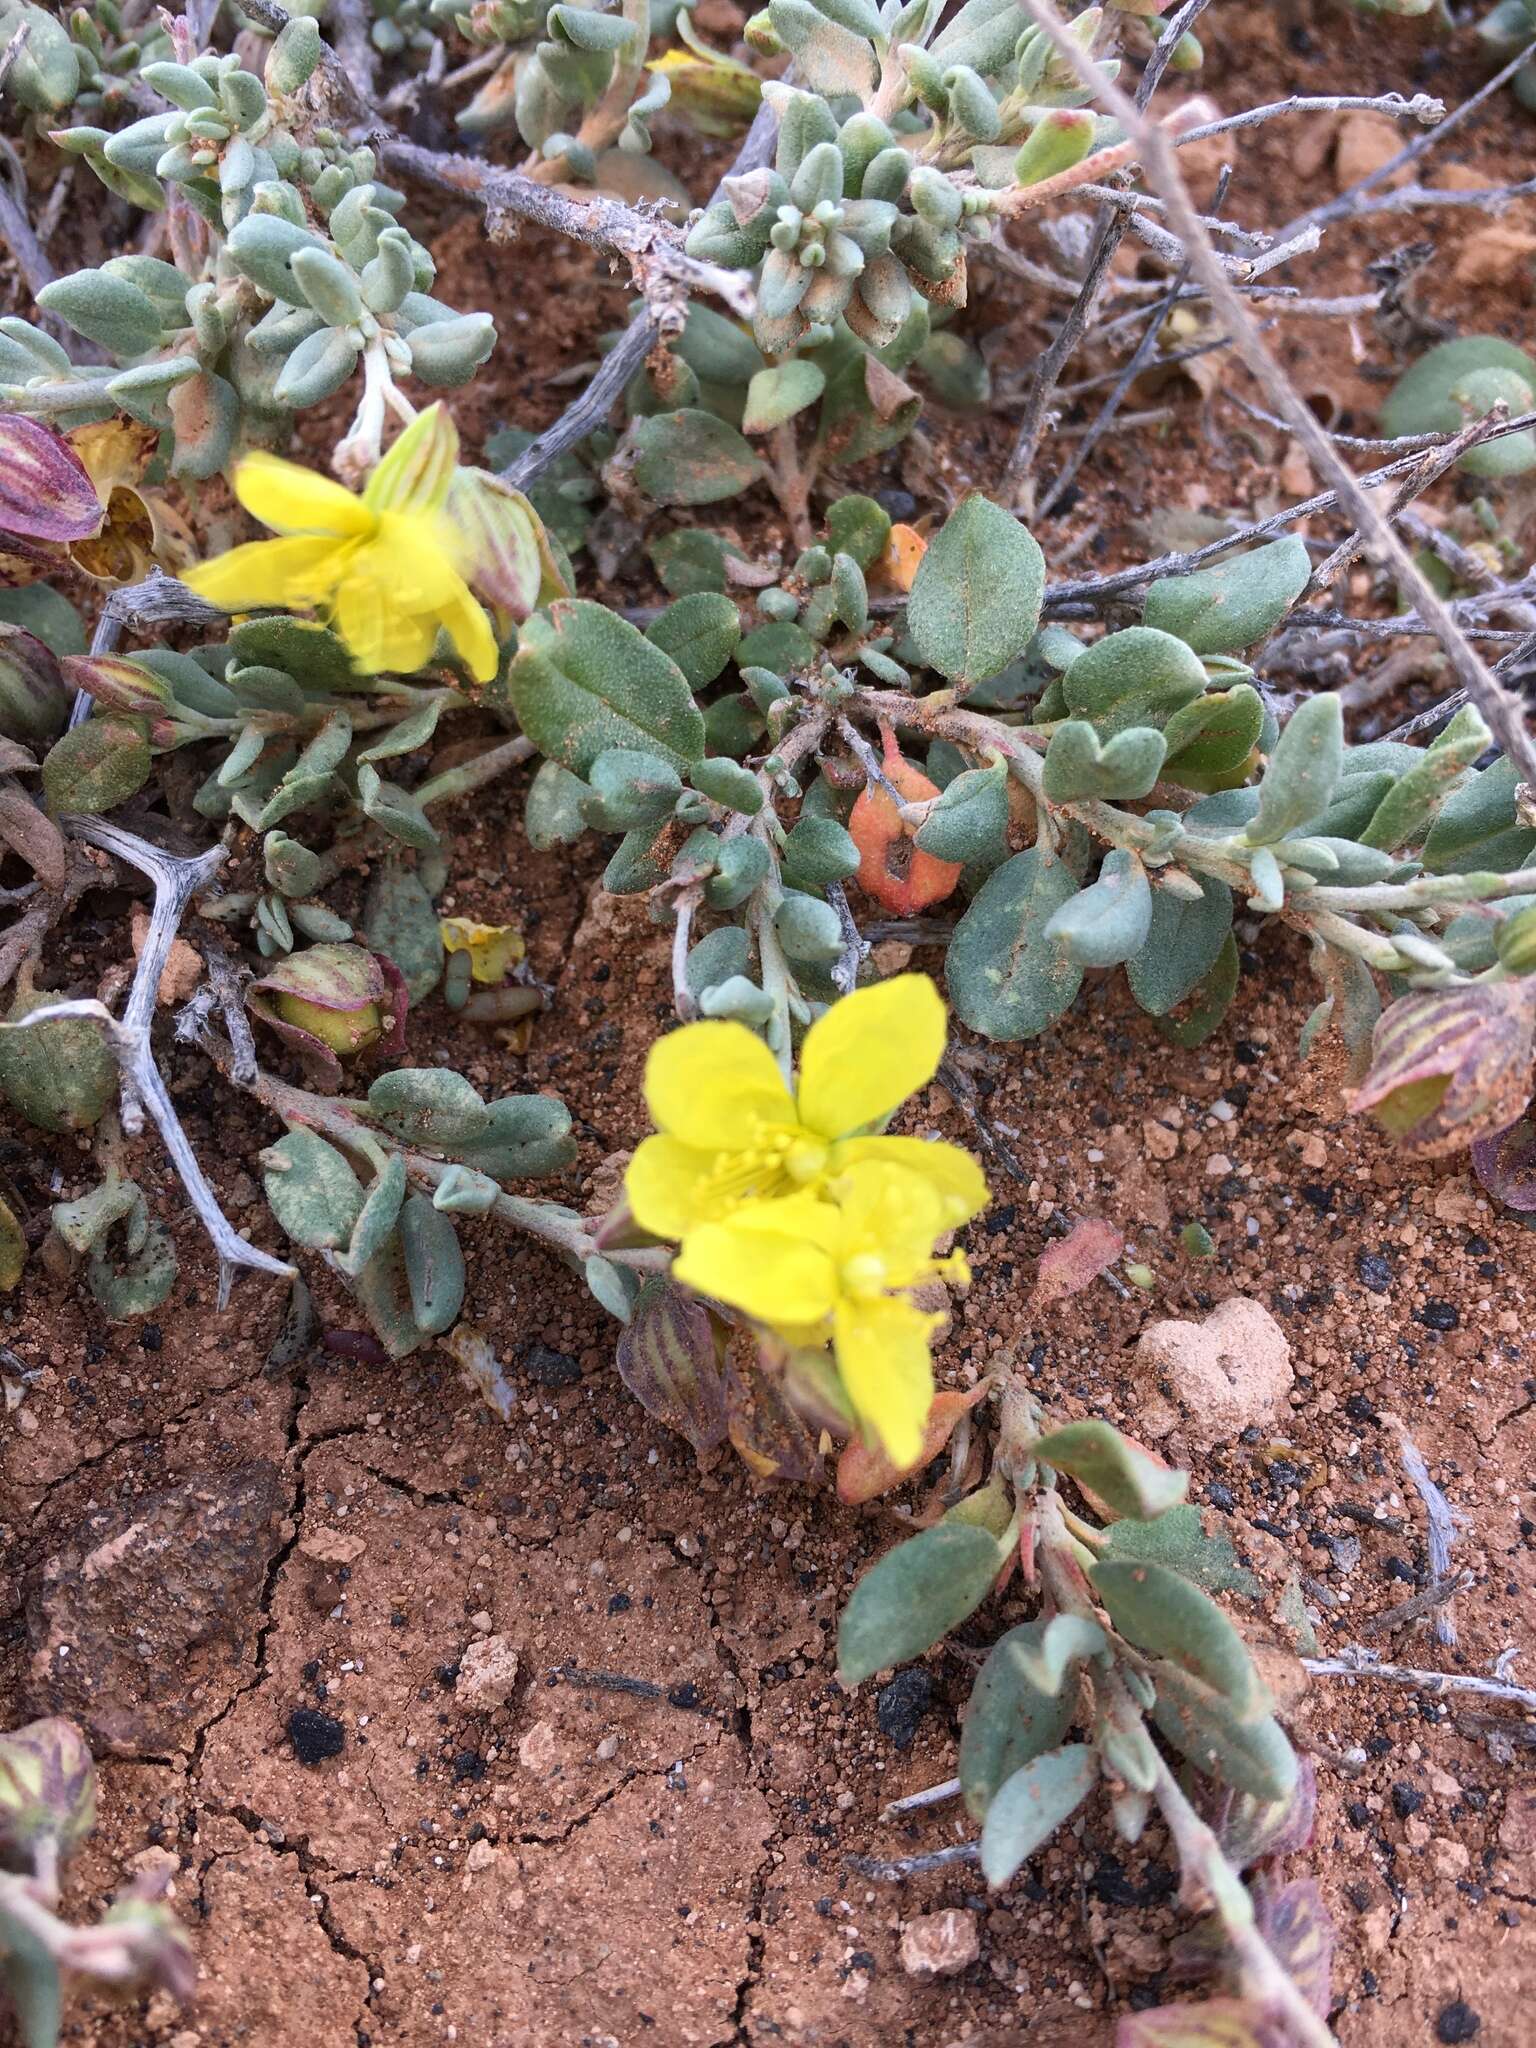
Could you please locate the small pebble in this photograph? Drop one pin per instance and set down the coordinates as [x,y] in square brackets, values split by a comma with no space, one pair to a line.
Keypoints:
[315,1736]
[1374,1272]
[901,1705]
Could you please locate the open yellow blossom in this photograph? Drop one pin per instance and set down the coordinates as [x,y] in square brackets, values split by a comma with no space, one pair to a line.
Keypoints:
[729,1130]
[814,1269]
[386,568]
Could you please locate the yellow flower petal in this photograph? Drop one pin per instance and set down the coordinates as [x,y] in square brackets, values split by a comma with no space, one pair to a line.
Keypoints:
[378,634]
[290,499]
[883,1360]
[890,1215]
[869,1052]
[296,572]
[415,474]
[951,1172]
[412,559]
[493,949]
[774,1276]
[464,619]
[667,1187]
[714,1085]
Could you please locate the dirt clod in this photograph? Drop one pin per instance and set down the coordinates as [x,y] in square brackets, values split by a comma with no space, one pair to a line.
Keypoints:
[487,1674]
[940,1944]
[315,1736]
[901,1705]
[1227,1373]
[138,1629]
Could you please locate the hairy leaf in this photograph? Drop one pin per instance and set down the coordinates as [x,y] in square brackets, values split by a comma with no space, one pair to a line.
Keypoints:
[915,1595]
[976,599]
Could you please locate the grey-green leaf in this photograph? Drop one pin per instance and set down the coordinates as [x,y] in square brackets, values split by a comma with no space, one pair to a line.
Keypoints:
[1303,771]
[1182,945]
[1477,827]
[1160,1611]
[1218,610]
[976,599]
[1078,764]
[1029,1808]
[916,1594]
[1108,922]
[376,1220]
[434,1265]
[553,814]
[311,1190]
[691,458]
[1252,1756]
[970,820]
[1405,812]
[700,633]
[1123,1476]
[585,680]
[1006,979]
[429,1106]
[1135,677]
[1009,1721]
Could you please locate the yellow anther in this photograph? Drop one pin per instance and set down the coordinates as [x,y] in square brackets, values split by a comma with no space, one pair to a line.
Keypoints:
[864,1276]
[806,1161]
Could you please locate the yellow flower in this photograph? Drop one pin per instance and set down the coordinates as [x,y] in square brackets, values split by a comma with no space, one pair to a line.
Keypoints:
[493,949]
[720,95]
[730,1131]
[386,567]
[813,1269]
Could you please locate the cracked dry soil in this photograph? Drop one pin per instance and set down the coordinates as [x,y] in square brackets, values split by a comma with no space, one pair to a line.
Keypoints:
[258,1588]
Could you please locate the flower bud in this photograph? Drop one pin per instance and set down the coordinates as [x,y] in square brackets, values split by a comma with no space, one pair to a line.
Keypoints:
[34,697]
[152,1945]
[331,1003]
[507,560]
[669,1359]
[45,489]
[118,684]
[1450,1066]
[47,1791]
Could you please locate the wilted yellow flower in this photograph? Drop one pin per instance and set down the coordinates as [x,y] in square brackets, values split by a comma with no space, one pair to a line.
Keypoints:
[387,568]
[493,949]
[731,1132]
[814,1269]
[718,94]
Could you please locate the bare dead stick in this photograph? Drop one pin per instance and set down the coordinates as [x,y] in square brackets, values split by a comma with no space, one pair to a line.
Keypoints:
[586,413]
[1502,708]
[1442,1522]
[1362,1664]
